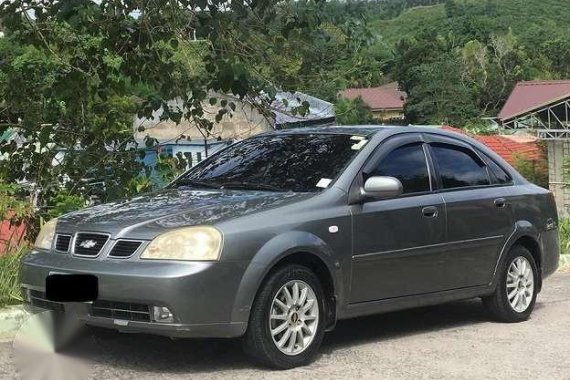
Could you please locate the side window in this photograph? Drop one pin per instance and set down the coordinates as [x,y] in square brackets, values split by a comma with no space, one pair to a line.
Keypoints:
[459,167]
[498,175]
[408,164]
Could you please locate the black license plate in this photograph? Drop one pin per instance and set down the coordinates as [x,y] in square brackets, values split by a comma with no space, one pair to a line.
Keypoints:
[72,288]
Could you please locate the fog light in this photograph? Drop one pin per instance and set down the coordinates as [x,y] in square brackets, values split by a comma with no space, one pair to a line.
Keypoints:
[162,314]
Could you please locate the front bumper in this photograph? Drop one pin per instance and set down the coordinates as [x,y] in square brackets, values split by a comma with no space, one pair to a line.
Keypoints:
[201,296]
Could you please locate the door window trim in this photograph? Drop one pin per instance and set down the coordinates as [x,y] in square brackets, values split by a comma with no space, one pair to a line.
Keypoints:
[462,146]
[388,146]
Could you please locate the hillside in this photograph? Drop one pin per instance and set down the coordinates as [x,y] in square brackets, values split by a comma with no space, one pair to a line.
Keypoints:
[528,19]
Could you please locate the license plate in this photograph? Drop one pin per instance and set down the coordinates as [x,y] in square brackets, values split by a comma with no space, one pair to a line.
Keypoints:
[71,288]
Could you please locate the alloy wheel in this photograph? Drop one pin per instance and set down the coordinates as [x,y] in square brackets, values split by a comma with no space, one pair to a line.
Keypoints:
[520,284]
[294,317]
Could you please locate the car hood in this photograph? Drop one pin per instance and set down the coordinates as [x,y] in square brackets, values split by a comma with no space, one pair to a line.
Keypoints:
[172,208]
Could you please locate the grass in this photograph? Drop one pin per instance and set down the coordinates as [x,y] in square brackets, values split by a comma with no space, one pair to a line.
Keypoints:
[10,277]
[564,229]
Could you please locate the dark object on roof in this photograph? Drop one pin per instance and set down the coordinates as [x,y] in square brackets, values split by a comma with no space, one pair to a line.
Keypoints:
[532,95]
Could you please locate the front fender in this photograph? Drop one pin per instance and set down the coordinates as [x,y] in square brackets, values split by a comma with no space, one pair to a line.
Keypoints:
[270,254]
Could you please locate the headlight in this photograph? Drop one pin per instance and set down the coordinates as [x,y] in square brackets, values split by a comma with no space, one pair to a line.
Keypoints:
[45,237]
[192,244]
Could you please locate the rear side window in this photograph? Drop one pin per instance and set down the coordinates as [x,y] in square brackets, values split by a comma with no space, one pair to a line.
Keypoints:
[459,167]
[408,164]
[498,175]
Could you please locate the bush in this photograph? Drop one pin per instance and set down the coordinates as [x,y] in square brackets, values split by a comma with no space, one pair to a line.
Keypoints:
[352,112]
[564,230]
[536,171]
[10,276]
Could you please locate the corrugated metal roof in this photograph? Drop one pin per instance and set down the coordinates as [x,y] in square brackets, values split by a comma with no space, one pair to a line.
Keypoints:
[318,108]
[532,95]
[387,97]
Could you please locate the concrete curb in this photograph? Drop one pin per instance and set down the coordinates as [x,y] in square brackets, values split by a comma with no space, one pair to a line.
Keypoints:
[11,318]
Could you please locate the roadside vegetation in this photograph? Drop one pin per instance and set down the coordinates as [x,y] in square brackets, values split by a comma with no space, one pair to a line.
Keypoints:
[9,276]
[565,236]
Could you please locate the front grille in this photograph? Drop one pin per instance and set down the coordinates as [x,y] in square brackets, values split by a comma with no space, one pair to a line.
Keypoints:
[125,248]
[38,299]
[121,310]
[88,244]
[62,242]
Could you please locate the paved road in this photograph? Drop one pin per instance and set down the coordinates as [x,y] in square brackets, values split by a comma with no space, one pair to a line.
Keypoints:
[452,341]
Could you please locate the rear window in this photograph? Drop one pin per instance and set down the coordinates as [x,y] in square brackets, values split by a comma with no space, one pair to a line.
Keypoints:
[498,175]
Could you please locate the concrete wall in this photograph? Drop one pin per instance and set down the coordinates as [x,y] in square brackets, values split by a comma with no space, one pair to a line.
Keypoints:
[245,122]
[388,115]
[558,151]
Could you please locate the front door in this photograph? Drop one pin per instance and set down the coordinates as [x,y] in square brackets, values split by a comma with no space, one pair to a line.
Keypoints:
[396,249]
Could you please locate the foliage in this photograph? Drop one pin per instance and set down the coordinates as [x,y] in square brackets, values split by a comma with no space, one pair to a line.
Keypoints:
[564,227]
[15,209]
[536,171]
[485,46]
[352,112]
[9,276]
[76,72]
[481,127]
[73,74]
[63,202]
[12,204]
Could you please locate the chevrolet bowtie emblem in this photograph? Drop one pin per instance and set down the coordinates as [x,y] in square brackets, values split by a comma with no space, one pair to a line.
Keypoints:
[88,244]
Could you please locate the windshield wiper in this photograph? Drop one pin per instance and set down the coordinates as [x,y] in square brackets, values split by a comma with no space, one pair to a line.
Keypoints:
[195,183]
[250,186]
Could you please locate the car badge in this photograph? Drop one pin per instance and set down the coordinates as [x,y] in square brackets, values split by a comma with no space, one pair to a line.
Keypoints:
[88,244]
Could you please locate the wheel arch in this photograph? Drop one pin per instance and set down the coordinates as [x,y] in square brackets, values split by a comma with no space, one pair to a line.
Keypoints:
[294,247]
[527,236]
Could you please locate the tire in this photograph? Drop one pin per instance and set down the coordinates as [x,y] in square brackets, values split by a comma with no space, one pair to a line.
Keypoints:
[503,305]
[304,318]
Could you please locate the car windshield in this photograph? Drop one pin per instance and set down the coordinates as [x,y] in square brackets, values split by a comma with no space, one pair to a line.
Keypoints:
[288,162]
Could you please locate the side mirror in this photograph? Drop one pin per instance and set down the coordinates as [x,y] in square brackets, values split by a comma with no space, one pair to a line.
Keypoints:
[382,188]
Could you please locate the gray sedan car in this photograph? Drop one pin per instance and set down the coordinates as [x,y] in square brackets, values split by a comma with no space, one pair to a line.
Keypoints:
[279,236]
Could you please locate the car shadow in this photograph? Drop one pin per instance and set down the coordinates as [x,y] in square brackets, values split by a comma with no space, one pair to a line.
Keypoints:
[101,347]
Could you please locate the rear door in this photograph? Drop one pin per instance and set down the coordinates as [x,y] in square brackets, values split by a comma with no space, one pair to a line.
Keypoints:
[479,216]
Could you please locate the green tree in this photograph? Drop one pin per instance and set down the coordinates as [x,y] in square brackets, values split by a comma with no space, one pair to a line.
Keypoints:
[74,73]
[352,112]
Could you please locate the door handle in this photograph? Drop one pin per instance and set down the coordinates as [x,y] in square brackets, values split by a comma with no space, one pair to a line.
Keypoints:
[430,212]
[500,202]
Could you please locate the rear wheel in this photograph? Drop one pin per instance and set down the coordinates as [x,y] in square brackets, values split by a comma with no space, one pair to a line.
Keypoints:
[515,295]
[286,322]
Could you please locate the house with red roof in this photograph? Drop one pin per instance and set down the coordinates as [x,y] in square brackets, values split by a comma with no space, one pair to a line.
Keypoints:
[543,108]
[385,102]
[509,147]
[534,100]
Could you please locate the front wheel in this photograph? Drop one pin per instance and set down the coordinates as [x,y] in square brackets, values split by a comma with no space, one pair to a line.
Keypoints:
[515,295]
[286,325]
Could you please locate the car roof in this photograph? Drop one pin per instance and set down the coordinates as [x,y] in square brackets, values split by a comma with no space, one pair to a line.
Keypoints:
[360,130]
[369,130]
